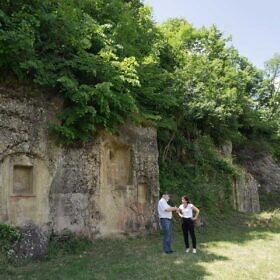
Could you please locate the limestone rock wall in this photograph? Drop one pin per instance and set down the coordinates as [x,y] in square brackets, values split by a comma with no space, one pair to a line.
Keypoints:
[245,187]
[27,160]
[72,191]
[246,196]
[265,169]
[106,187]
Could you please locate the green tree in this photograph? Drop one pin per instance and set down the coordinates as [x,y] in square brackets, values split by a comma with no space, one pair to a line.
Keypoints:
[109,62]
[213,84]
[215,92]
[272,98]
[86,51]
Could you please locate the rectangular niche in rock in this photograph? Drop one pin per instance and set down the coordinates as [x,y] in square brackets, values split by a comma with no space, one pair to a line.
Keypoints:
[142,193]
[22,180]
[118,166]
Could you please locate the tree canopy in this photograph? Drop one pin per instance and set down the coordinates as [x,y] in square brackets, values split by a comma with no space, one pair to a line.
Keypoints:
[85,51]
[110,63]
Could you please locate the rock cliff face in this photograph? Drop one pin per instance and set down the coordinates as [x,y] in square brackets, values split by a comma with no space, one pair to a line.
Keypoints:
[261,172]
[246,196]
[265,169]
[106,187]
[245,187]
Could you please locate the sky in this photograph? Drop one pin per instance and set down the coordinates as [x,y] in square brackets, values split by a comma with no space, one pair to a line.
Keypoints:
[253,24]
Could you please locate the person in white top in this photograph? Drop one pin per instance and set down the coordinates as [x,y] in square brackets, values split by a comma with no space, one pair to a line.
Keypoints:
[185,211]
[165,216]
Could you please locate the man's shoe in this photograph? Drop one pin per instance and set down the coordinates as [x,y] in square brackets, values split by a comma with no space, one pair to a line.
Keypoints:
[187,250]
[194,251]
[169,252]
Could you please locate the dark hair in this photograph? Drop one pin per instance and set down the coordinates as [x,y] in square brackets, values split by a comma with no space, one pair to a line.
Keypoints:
[186,198]
[166,193]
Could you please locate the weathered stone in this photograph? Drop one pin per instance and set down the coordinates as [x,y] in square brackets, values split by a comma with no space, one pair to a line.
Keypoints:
[246,196]
[245,187]
[106,187]
[33,243]
[265,169]
[226,148]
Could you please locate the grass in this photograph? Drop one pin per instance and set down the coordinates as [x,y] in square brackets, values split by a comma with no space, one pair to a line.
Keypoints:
[237,246]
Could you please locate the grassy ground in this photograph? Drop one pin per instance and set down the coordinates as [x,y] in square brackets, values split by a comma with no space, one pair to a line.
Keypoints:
[235,247]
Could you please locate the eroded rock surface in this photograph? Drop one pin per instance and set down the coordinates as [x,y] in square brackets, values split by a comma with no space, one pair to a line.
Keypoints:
[106,187]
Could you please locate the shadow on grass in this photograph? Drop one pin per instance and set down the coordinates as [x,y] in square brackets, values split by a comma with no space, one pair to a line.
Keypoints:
[142,258]
[235,229]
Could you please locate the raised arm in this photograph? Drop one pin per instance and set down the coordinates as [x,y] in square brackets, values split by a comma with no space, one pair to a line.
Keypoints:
[179,212]
[196,210]
[170,209]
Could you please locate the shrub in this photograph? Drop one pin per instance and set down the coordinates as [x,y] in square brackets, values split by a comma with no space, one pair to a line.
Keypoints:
[8,235]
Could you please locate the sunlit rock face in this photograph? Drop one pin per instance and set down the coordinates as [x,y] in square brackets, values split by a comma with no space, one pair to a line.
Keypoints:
[106,187]
[266,170]
[245,187]
[246,196]
[226,148]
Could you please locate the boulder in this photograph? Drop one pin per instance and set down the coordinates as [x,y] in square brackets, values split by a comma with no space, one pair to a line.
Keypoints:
[33,243]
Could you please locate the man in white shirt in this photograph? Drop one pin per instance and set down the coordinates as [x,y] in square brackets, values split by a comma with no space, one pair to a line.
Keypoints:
[165,216]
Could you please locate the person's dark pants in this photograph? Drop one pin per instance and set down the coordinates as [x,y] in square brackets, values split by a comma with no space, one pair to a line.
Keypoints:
[188,226]
[166,226]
